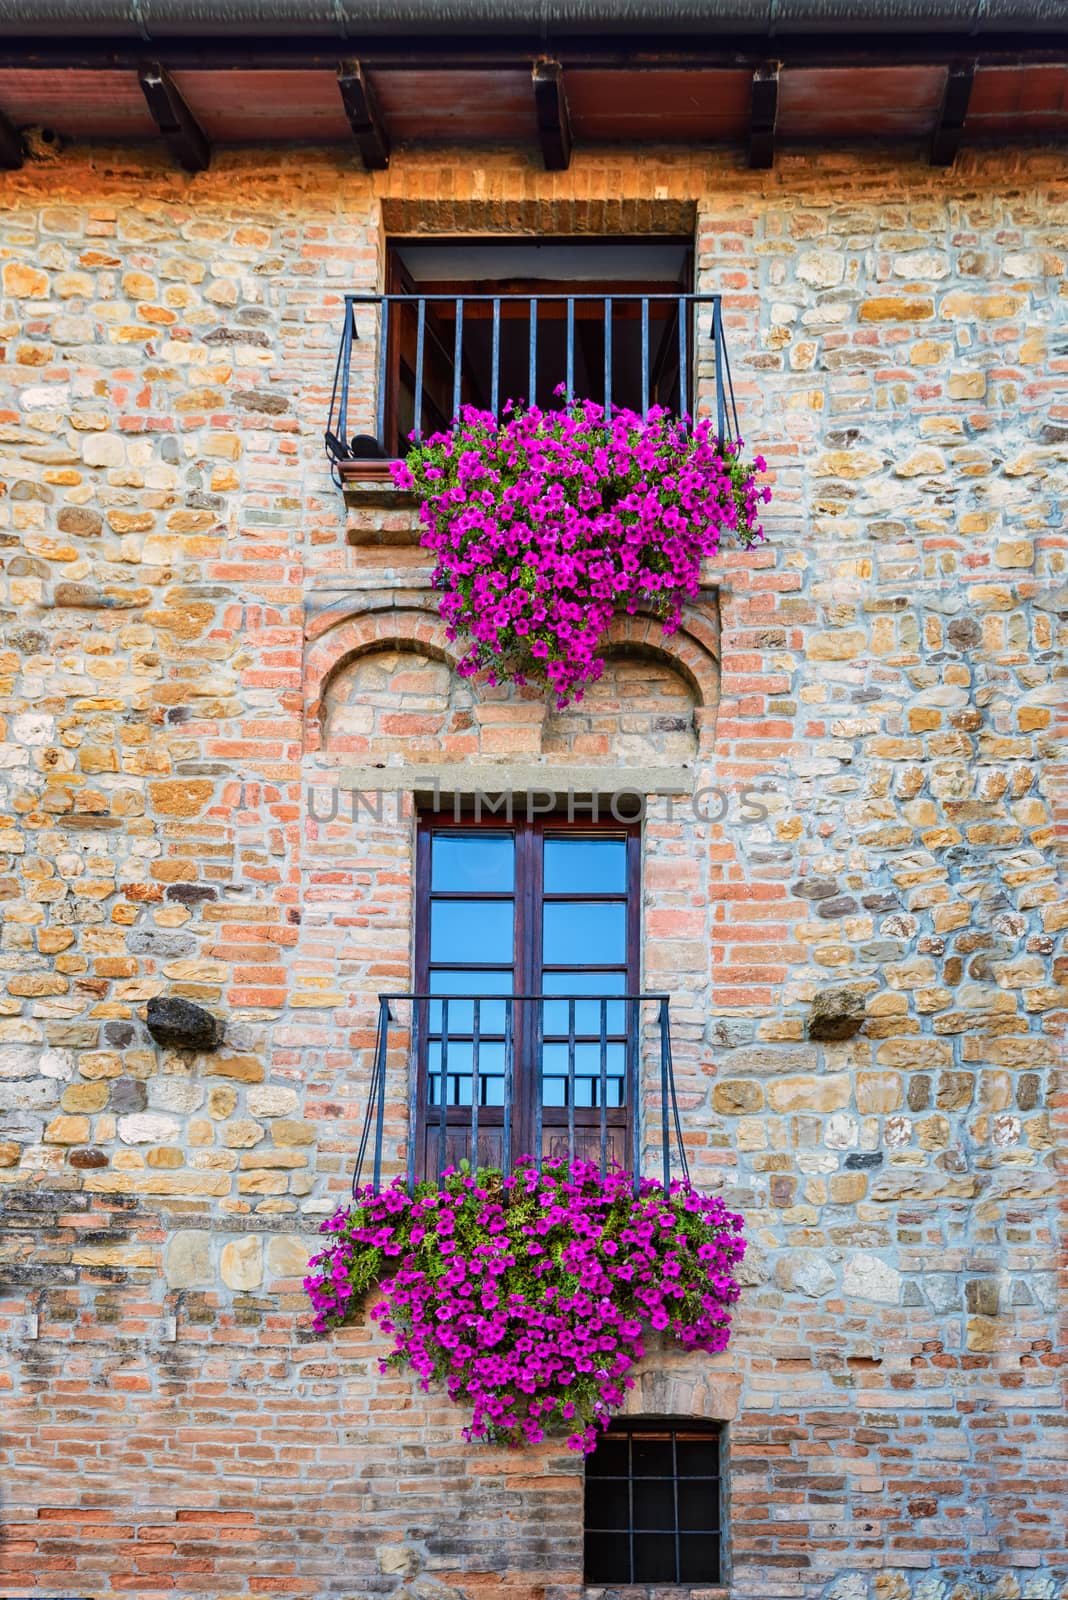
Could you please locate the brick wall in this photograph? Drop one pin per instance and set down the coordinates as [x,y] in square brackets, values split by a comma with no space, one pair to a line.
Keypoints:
[189,647]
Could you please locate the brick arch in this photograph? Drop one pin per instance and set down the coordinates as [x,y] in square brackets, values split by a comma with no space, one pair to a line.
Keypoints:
[691,651]
[335,645]
[676,1384]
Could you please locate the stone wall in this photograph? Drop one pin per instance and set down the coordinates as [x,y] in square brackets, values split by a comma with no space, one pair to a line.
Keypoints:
[197,636]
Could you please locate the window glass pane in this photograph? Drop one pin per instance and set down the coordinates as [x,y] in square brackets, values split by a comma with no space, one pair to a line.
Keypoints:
[471,930]
[472,863]
[584,931]
[699,1503]
[607,1504]
[654,1504]
[699,1558]
[587,1075]
[577,865]
[585,983]
[654,1558]
[587,1012]
[697,1458]
[608,1459]
[459,1070]
[607,1558]
[652,1457]
[445,980]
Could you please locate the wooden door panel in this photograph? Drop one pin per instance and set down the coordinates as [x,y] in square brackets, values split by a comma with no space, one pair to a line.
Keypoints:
[458,1148]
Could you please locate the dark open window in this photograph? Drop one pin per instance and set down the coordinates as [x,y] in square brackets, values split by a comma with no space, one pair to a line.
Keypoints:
[525,917]
[653,1504]
[481,322]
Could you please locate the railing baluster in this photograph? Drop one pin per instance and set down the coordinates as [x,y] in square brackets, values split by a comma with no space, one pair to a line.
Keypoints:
[645,356]
[383,371]
[343,415]
[475,1042]
[684,1166]
[335,430]
[380,1074]
[539,1077]
[684,387]
[509,1057]
[665,1143]
[730,381]
[608,356]
[634,1087]
[458,360]
[717,350]
[532,369]
[376,1097]
[495,373]
[570,349]
[413,1098]
[443,1075]
[420,351]
[571,1080]
[603,1095]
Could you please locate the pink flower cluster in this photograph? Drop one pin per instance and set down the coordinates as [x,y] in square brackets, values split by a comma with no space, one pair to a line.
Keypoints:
[531,1296]
[546,523]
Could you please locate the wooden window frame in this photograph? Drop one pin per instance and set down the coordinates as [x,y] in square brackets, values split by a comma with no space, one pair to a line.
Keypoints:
[398,281]
[676,1428]
[527,966]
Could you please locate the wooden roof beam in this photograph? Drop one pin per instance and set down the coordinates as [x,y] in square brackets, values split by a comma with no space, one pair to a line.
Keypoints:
[12,153]
[181,131]
[949,129]
[763,115]
[365,118]
[553,115]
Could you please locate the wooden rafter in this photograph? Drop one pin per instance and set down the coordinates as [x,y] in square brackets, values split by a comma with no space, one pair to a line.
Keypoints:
[763,115]
[12,154]
[553,116]
[365,118]
[945,141]
[184,137]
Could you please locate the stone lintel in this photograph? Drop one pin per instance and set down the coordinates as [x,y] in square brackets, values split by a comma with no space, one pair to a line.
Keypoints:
[449,778]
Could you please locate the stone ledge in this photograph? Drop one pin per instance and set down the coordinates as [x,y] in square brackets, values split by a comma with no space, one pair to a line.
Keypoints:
[655,1591]
[367,486]
[445,778]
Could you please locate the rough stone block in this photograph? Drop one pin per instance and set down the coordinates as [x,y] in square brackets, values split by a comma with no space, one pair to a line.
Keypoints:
[181,1025]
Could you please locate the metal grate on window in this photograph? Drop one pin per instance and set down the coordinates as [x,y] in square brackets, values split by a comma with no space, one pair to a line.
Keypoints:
[653,1505]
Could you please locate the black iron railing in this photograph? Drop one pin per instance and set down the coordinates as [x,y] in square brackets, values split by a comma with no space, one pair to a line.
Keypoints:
[408,362]
[489,1078]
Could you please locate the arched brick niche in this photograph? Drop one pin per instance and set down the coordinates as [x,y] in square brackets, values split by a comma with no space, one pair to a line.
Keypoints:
[384,678]
[333,641]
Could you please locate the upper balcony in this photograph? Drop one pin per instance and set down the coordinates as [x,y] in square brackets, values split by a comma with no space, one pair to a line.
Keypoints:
[407,362]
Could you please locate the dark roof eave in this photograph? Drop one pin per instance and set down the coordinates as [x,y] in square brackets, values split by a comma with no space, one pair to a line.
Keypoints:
[715,22]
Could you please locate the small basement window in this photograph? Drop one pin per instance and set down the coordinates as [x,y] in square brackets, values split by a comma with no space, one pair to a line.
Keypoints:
[653,1504]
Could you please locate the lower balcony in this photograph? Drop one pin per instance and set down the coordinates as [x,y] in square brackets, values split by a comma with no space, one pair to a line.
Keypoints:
[495,1077]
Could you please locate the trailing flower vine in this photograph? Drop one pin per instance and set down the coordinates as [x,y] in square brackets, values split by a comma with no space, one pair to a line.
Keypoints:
[531,1296]
[546,523]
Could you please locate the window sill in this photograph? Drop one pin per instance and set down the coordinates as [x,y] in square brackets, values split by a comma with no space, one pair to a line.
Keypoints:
[369,489]
[656,1591]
